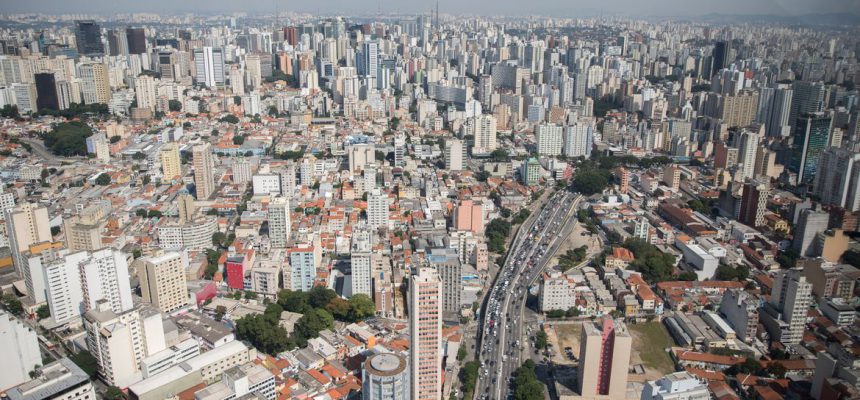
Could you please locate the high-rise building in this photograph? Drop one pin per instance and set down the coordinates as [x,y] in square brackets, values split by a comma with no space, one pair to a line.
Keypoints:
[550,139]
[46,91]
[740,309]
[399,150]
[360,155]
[377,209]
[95,84]
[748,144]
[425,333]
[204,179]
[88,38]
[26,225]
[837,182]
[455,154]
[811,138]
[449,270]
[754,203]
[136,39]
[385,376]
[162,280]
[740,109]
[117,42]
[209,63]
[84,232]
[775,110]
[361,262]
[578,140]
[810,223]
[722,56]
[807,98]
[171,163]
[784,315]
[485,135]
[304,260]
[606,352]
[19,349]
[279,221]
[367,61]
[145,91]
[121,341]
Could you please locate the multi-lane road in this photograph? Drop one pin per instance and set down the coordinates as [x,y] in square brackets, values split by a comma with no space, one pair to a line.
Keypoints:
[502,340]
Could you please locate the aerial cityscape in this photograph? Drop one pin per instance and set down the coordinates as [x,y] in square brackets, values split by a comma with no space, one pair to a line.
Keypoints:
[212,200]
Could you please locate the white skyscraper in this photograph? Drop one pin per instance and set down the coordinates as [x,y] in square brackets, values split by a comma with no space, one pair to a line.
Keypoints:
[26,225]
[455,154]
[360,261]
[785,315]
[578,140]
[485,135]
[209,63]
[550,139]
[368,61]
[279,221]
[377,209]
[145,91]
[747,149]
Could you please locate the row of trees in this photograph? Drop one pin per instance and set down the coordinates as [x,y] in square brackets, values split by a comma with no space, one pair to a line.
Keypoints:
[497,232]
[320,307]
[526,384]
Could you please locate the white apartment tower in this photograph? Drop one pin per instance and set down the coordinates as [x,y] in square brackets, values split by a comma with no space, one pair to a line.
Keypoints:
[425,330]
[279,221]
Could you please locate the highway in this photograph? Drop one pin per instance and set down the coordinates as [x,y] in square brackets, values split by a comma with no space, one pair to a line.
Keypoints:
[501,333]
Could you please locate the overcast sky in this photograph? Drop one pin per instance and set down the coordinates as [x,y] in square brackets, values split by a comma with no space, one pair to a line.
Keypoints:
[567,8]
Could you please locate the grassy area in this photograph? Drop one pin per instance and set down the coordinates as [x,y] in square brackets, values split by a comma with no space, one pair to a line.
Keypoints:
[650,341]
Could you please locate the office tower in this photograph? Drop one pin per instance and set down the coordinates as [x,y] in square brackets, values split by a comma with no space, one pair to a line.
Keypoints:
[367,61]
[291,35]
[204,179]
[145,91]
[121,341]
[46,92]
[136,39]
[837,182]
[578,140]
[810,223]
[185,203]
[807,98]
[171,163]
[117,42]
[775,110]
[455,154]
[19,350]
[377,209]
[162,280]
[449,270]
[304,260]
[606,352]
[279,221]
[811,138]
[361,263]
[209,63]
[88,38]
[740,310]
[26,225]
[785,314]
[550,139]
[754,203]
[485,135]
[95,84]
[722,53]
[748,144]
[425,335]
[360,155]
[385,376]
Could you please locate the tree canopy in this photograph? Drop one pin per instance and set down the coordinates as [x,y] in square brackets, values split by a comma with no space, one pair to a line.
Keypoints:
[497,232]
[68,139]
[655,265]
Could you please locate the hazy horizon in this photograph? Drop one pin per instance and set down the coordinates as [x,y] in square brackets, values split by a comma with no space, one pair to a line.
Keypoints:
[571,8]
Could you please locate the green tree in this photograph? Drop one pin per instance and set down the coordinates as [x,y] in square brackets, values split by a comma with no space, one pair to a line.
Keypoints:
[526,384]
[361,307]
[114,393]
[462,353]
[230,118]
[68,139]
[588,180]
[43,312]
[541,339]
[103,179]
[319,296]
[174,105]
[12,304]
[238,140]
[469,378]
[218,239]
[85,361]
[263,332]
